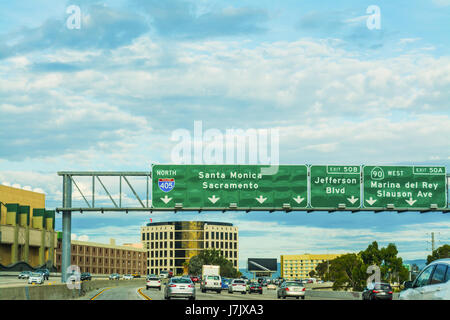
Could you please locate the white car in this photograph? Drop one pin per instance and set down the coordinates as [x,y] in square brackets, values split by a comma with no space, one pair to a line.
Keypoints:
[153,282]
[36,277]
[271,286]
[433,283]
[127,277]
[238,285]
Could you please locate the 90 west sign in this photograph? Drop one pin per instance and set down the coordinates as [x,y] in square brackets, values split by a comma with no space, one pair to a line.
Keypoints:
[405,186]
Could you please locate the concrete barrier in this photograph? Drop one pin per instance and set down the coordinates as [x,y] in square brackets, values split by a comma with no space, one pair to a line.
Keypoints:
[61,291]
[334,295]
[340,295]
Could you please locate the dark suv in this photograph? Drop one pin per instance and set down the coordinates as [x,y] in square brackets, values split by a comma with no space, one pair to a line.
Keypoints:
[378,291]
[44,272]
[85,276]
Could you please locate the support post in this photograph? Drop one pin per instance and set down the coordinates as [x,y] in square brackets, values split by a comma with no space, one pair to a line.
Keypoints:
[66,226]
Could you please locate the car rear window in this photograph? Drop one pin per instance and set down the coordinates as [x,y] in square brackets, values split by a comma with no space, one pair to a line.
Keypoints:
[181,280]
[292,284]
[383,286]
[239,281]
[213,277]
[153,278]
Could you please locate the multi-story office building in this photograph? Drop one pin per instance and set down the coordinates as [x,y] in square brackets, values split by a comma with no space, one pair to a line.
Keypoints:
[299,266]
[26,228]
[99,258]
[170,245]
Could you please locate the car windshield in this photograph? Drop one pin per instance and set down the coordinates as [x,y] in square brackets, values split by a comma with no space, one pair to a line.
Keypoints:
[213,277]
[181,280]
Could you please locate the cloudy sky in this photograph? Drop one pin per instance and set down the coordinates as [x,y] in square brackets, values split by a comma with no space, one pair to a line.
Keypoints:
[109,96]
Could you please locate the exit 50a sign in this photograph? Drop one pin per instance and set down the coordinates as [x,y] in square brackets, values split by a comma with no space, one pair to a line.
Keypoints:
[405,186]
[299,186]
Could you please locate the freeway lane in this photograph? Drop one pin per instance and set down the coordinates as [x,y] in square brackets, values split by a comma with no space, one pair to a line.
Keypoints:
[115,293]
[132,293]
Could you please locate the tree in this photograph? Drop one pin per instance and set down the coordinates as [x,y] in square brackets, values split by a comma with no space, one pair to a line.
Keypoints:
[350,270]
[440,253]
[212,257]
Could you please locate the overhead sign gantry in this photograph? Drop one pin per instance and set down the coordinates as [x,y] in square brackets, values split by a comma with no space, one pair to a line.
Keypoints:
[247,188]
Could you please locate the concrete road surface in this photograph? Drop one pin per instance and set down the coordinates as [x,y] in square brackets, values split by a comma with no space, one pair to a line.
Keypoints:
[134,292]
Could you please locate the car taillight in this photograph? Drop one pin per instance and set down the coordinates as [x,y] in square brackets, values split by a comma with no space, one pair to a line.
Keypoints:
[234,285]
[287,289]
[190,286]
[390,292]
[172,285]
[304,289]
[375,291]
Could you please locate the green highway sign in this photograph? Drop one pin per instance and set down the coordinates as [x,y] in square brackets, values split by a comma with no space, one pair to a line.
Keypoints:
[404,186]
[332,186]
[222,186]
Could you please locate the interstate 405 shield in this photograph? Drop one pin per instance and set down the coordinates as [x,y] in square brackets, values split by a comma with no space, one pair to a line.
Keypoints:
[405,186]
[218,186]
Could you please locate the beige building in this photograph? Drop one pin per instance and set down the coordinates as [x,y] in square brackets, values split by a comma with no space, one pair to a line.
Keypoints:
[299,266]
[99,258]
[26,228]
[170,245]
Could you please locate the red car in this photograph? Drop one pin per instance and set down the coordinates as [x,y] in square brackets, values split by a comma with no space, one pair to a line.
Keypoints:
[195,279]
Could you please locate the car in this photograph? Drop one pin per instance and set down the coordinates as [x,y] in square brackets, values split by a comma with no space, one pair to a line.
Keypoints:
[238,285]
[127,277]
[45,272]
[225,283]
[179,287]
[377,291]
[153,282]
[24,274]
[85,276]
[254,287]
[271,286]
[291,289]
[36,277]
[211,282]
[114,276]
[432,283]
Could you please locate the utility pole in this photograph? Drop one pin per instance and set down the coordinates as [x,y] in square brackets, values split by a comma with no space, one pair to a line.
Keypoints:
[432,243]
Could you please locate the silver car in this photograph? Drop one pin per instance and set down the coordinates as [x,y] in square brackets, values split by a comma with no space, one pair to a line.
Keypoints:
[179,287]
[36,277]
[433,283]
[25,274]
[291,289]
